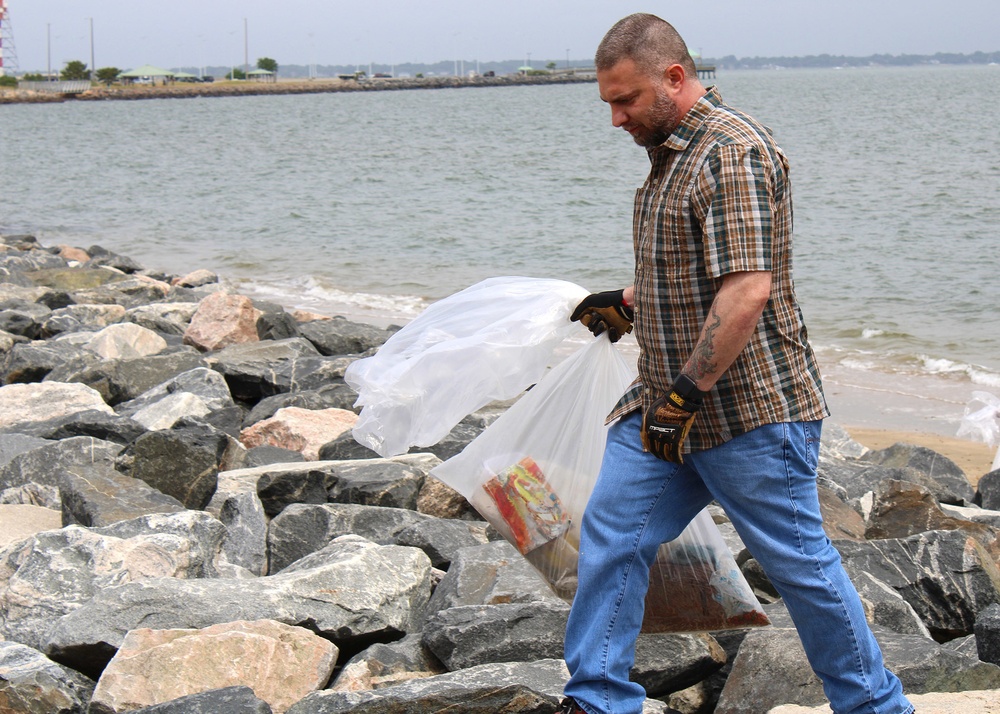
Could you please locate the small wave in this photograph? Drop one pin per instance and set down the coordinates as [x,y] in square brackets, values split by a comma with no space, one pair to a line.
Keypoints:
[870,332]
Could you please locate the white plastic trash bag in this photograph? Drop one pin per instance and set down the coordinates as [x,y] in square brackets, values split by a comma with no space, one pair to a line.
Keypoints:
[981,421]
[531,472]
[486,343]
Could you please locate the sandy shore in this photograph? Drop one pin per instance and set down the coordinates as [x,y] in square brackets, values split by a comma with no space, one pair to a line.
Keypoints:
[974,458]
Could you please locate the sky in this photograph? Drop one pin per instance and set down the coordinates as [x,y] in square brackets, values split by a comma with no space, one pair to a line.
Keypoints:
[196,33]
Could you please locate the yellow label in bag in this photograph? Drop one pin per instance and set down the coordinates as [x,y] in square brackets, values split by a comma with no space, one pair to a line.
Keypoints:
[530,508]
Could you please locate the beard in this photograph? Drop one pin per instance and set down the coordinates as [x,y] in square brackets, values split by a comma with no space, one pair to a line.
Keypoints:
[663,117]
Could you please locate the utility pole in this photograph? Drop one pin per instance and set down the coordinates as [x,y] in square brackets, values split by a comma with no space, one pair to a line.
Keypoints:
[246,52]
[48,51]
[93,69]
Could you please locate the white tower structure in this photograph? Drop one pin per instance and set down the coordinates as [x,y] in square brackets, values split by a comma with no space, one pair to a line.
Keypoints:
[8,55]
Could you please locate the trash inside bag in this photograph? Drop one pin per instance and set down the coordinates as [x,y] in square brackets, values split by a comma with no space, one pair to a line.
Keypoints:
[531,472]
[981,421]
[486,343]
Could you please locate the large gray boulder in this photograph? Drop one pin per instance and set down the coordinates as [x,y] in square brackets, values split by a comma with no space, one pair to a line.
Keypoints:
[385,664]
[339,336]
[48,464]
[99,495]
[366,591]
[121,380]
[228,700]
[928,462]
[255,370]
[55,572]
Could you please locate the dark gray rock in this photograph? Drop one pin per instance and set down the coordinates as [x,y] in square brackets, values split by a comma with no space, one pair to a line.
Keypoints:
[329,396]
[294,481]
[262,369]
[377,482]
[669,663]
[525,688]
[339,336]
[167,318]
[301,529]
[183,462]
[98,495]
[370,592]
[987,629]
[886,608]
[229,700]
[988,491]
[463,637]
[31,683]
[94,423]
[385,664]
[100,256]
[80,318]
[267,455]
[26,319]
[442,538]
[345,448]
[488,575]
[934,465]
[33,361]
[237,505]
[13,444]
[120,380]
[274,323]
[946,576]
[47,464]
[200,381]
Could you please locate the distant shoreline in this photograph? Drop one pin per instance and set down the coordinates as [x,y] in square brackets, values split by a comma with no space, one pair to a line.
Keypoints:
[182,90]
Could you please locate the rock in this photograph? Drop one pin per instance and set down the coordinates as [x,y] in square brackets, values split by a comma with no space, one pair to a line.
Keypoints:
[228,700]
[670,663]
[383,665]
[329,396]
[771,670]
[48,464]
[126,341]
[169,318]
[302,529]
[60,277]
[836,442]
[239,508]
[127,291]
[274,323]
[988,493]
[165,413]
[23,404]
[464,637]
[526,688]
[302,430]
[209,386]
[13,444]
[338,336]
[489,574]
[985,702]
[98,496]
[934,465]
[55,572]
[197,279]
[442,538]
[31,683]
[886,608]
[438,499]
[81,318]
[267,455]
[95,423]
[987,629]
[261,369]
[35,360]
[282,663]
[119,381]
[974,514]
[222,320]
[104,257]
[902,508]
[377,482]
[369,591]
[183,462]
[840,520]
[26,319]
[946,576]
[23,521]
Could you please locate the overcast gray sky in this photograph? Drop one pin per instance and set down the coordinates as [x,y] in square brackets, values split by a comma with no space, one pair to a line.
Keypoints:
[128,33]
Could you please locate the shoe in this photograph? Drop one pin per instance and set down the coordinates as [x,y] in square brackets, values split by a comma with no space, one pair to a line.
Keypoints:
[569,706]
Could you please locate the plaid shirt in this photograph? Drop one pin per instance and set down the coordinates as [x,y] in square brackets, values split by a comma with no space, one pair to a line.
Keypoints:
[718,200]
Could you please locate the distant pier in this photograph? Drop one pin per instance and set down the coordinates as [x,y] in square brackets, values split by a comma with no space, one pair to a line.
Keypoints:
[705,71]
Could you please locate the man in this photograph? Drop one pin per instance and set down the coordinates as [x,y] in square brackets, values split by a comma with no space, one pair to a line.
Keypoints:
[728,405]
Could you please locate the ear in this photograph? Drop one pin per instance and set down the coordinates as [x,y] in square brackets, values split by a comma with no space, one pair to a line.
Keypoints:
[674,77]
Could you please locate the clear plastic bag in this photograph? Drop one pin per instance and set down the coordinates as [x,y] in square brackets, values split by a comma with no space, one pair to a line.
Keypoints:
[488,342]
[981,421]
[531,472]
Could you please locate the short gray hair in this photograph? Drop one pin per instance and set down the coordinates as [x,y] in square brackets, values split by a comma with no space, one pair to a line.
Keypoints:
[649,41]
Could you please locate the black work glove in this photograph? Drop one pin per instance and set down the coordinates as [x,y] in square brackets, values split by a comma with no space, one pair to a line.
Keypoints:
[605,311]
[667,421]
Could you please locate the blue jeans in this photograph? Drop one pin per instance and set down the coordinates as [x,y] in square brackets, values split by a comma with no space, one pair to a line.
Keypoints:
[766,482]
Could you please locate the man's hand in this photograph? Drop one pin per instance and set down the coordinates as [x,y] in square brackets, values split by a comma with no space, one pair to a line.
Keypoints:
[665,425]
[605,311]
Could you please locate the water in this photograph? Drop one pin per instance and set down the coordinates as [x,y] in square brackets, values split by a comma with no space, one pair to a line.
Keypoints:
[374,204]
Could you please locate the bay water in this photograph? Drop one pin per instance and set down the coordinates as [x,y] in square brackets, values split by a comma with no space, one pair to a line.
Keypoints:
[375,204]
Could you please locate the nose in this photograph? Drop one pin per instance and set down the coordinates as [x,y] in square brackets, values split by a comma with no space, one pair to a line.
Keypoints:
[618,117]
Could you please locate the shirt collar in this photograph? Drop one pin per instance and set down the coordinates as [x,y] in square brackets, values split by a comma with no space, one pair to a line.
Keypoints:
[685,131]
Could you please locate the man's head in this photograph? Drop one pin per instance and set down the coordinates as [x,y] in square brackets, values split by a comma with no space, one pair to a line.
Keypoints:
[646,74]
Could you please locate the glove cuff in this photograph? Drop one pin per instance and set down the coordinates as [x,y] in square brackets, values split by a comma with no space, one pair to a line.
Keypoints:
[685,394]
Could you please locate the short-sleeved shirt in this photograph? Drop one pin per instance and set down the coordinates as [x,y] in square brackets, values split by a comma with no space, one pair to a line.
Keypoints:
[717,201]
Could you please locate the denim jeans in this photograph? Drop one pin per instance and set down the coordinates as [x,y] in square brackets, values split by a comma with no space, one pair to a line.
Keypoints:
[766,482]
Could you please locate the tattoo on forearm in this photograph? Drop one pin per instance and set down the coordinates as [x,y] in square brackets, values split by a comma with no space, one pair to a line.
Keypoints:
[702,361]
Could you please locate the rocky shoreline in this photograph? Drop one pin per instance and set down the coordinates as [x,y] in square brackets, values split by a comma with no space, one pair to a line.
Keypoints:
[190,527]
[185,90]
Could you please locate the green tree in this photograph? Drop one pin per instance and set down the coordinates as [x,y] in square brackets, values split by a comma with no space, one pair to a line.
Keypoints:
[108,75]
[74,69]
[268,64]
[7,80]
[36,77]
[550,66]
[236,74]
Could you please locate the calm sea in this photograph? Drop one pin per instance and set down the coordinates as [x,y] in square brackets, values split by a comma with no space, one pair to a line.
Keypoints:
[373,204]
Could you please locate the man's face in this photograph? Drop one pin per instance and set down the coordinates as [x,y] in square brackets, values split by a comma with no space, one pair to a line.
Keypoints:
[639,103]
